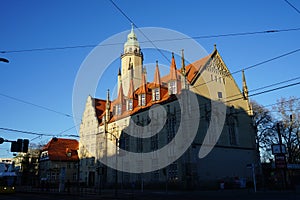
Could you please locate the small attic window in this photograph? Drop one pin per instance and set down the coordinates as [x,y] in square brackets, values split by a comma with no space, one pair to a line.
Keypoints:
[220,95]
[68,152]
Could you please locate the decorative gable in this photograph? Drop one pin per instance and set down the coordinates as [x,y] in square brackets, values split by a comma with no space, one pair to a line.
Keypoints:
[217,66]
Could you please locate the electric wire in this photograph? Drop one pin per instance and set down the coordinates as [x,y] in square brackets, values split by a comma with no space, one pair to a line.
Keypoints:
[252,66]
[157,40]
[130,20]
[36,105]
[291,5]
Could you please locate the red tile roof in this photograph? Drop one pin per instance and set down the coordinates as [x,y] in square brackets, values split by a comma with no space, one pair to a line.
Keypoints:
[143,88]
[58,149]
[157,80]
[192,70]
[173,75]
[131,90]
[120,99]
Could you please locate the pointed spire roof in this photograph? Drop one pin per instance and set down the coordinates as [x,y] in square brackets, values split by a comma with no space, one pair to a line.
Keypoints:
[245,88]
[182,63]
[157,80]
[173,68]
[107,97]
[142,89]
[131,38]
[131,89]
[120,98]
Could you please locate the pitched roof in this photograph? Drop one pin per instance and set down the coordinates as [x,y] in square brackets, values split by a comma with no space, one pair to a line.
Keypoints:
[120,99]
[143,88]
[61,149]
[193,68]
[131,90]
[100,105]
[157,80]
[173,75]
[192,71]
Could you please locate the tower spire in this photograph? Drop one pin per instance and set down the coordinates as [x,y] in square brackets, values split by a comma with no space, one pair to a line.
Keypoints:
[173,68]
[120,99]
[245,88]
[131,89]
[107,112]
[183,71]
[157,80]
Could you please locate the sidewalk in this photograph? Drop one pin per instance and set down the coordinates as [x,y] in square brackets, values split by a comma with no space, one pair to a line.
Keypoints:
[245,194]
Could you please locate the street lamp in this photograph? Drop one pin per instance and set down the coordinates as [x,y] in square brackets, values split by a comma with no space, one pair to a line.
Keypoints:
[115,130]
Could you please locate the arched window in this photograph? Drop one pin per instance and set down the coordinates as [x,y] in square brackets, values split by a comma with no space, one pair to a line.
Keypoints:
[232,130]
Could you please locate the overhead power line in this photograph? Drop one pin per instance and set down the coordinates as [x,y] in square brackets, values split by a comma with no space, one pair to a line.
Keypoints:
[253,66]
[296,9]
[36,133]
[130,20]
[154,41]
[36,105]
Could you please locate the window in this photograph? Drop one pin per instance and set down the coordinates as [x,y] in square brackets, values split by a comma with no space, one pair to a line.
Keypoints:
[220,96]
[140,100]
[232,131]
[143,99]
[155,94]
[119,109]
[74,177]
[173,171]
[171,123]
[129,104]
[172,87]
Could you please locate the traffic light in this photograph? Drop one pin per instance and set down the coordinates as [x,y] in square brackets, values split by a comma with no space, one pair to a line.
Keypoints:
[25,145]
[19,146]
[1,140]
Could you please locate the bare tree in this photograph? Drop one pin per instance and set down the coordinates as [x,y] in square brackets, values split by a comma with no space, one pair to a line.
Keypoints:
[288,116]
[265,134]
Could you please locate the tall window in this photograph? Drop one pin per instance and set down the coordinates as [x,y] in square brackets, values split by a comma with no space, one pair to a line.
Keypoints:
[171,124]
[172,87]
[118,109]
[129,104]
[232,131]
[143,99]
[173,171]
[155,94]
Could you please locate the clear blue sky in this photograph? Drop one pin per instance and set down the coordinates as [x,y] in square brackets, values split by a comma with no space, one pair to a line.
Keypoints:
[46,78]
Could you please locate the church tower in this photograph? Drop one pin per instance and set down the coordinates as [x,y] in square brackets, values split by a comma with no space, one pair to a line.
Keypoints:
[132,63]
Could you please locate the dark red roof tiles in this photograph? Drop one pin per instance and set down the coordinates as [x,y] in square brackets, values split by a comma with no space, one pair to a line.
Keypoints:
[61,149]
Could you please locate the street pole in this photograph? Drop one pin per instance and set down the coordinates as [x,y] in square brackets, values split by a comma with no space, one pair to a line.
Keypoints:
[282,154]
[254,178]
[116,180]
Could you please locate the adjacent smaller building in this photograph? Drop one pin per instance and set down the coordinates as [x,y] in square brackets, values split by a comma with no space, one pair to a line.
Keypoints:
[59,162]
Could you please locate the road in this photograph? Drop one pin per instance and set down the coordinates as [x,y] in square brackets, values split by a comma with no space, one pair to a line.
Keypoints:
[160,195]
